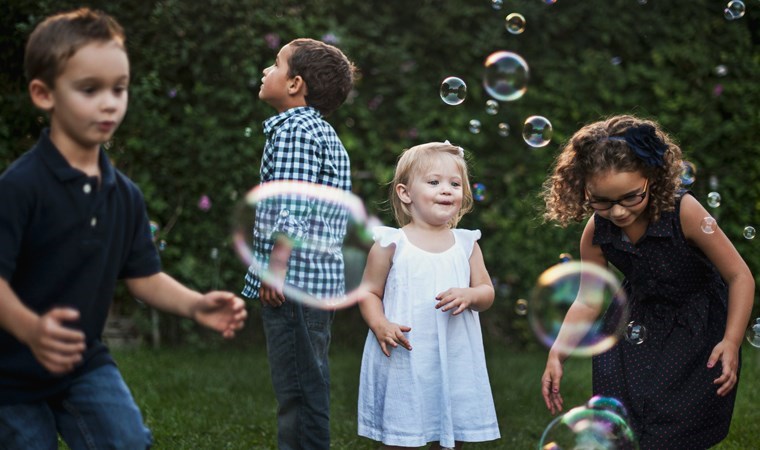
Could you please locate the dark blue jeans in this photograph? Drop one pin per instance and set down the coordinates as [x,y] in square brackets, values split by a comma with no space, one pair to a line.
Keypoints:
[96,412]
[298,339]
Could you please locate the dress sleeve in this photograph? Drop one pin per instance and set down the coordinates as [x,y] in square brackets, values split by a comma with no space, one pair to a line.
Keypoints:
[467,239]
[386,236]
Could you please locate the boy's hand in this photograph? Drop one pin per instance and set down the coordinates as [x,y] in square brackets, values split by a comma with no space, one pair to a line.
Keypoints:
[457,299]
[271,290]
[389,333]
[221,311]
[57,347]
[728,354]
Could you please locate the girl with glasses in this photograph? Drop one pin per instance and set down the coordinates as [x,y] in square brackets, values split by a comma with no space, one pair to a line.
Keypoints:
[689,288]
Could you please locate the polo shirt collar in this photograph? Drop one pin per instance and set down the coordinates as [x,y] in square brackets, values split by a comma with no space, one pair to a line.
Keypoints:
[273,122]
[55,161]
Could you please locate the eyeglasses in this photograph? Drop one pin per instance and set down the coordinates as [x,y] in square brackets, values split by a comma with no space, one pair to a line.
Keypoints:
[627,201]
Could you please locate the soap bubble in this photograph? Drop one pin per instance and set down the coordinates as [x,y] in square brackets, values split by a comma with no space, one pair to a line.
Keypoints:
[537,131]
[453,91]
[734,10]
[478,192]
[635,333]
[309,220]
[688,173]
[506,76]
[713,199]
[474,126]
[492,107]
[503,129]
[749,232]
[583,428]
[515,23]
[708,225]
[521,307]
[753,333]
[594,288]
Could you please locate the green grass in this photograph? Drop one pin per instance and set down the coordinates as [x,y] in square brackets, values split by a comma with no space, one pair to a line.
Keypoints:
[222,398]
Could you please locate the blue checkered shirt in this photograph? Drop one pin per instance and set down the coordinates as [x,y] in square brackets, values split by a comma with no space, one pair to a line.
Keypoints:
[302,146]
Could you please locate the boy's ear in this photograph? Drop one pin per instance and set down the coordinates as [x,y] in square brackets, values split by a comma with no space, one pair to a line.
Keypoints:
[297,86]
[403,193]
[41,94]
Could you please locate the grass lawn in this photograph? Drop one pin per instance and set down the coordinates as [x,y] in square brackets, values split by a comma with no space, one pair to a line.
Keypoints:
[222,398]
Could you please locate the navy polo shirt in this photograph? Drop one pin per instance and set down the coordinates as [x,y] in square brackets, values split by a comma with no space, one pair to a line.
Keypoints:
[65,240]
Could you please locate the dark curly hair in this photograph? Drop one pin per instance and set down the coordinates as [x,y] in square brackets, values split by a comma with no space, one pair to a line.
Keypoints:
[327,72]
[590,152]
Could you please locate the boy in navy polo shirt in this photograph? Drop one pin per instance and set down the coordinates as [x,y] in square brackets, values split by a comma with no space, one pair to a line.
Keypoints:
[70,226]
[309,80]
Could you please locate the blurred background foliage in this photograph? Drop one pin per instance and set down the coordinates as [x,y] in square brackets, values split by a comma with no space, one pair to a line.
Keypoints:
[194,123]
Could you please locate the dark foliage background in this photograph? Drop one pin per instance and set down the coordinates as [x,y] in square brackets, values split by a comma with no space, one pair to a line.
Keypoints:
[194,121]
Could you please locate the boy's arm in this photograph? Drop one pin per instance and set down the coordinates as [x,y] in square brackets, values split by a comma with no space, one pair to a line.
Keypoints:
[57,347]
[218,310]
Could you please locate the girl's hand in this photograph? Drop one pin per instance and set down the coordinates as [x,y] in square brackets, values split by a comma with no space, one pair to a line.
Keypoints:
[550,384]
[389,333]
[728,354]
[457,299]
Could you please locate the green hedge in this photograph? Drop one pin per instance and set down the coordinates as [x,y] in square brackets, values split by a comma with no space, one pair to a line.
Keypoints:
[194,122]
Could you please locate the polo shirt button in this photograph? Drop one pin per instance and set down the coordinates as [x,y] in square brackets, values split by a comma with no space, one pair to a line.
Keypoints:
[87,188]
[284,213]
[93,222]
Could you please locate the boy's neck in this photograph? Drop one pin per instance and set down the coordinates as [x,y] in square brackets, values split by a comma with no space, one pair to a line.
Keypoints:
[79,157]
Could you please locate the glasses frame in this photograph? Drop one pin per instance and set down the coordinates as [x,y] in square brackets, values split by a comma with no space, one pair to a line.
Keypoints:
[612,203]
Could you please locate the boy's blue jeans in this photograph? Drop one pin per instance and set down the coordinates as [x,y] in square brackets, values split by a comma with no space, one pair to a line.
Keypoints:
[298,338]
[96,412]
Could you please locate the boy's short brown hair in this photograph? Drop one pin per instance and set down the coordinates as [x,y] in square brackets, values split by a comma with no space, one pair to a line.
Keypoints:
[328,73]
[58,37]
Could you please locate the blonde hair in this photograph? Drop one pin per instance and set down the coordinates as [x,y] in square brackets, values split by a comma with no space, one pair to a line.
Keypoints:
[590,151]
[416,160]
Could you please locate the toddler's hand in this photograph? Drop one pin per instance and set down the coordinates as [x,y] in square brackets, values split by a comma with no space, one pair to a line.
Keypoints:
[392,334]
[57,347]
[457,299]
[728,354]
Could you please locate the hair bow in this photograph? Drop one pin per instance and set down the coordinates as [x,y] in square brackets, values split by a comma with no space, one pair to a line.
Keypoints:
[643,140]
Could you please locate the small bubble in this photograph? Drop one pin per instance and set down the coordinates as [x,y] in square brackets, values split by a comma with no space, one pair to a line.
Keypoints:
[713,199]
[503,129]
[161,245]
[688,173]
[248,132]
[616,60]
[565,257]
[474,126]
[635,333]
[749,232]
[478,192]
[753,333]
[721,70]
[521,307]
[708,225]
[214,253]
[492,107]
[734,10]
[515,23]
[506,76]
[453,91]
[497,4]
[537,131]
[204,203]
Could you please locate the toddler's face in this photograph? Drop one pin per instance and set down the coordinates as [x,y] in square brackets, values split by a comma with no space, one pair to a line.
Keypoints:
[434,195]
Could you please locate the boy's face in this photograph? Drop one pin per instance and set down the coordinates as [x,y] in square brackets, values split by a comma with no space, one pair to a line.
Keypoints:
[276,83]
[89,99]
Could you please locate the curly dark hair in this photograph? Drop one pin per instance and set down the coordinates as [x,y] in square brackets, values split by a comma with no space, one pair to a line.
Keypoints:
[590,152]
[327,72]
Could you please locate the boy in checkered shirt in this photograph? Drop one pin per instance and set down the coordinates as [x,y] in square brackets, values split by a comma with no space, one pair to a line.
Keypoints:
[308,80]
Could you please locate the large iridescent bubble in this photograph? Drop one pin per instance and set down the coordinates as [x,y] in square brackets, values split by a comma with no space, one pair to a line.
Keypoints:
[313,222]
[600,303]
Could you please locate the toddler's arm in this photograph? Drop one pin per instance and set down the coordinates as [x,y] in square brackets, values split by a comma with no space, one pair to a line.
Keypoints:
[371,304]
[478,297]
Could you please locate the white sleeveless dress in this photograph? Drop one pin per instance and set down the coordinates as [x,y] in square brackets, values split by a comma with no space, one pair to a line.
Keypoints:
[438,391]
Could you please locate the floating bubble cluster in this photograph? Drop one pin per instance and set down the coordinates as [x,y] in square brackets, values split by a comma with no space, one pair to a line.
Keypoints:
[599,296]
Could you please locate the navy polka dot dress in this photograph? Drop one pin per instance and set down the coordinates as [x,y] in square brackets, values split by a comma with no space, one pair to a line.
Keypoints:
[677,294]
